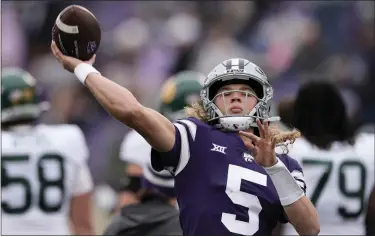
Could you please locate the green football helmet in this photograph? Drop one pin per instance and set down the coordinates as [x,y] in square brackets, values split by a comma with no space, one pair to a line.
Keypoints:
[179,91]
[19,99]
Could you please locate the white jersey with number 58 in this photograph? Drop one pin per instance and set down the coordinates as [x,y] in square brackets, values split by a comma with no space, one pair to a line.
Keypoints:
[339,181]
[43,167]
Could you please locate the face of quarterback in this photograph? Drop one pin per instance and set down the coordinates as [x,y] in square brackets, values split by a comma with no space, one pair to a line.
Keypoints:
[235,99]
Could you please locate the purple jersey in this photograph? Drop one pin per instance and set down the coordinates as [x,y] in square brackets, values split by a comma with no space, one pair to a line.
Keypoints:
[220,189]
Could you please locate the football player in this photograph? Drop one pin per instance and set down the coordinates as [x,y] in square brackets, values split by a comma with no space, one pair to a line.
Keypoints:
[177,92]
[228,179]
[338,165]
[45,181]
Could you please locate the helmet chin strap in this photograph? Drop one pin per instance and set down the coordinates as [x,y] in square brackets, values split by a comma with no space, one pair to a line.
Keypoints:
[234,123]
[241,123]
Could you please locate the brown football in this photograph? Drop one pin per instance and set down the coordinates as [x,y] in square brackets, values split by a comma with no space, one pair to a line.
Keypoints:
[77,32]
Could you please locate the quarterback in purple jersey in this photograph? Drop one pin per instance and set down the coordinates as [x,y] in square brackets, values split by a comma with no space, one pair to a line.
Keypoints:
[228,179]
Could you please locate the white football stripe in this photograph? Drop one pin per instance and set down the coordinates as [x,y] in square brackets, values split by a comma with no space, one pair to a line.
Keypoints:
[64,27]
[185,149]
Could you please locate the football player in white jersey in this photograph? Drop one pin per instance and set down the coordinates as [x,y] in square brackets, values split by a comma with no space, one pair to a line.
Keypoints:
[45,181]
[338,164]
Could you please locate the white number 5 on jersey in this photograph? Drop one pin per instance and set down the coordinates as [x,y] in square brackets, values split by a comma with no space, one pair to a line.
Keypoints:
[235,175]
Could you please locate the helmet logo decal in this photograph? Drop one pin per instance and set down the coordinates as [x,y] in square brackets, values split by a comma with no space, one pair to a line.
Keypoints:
[28,94]
[235,65]
[168,92]
[260,71]
[15,96]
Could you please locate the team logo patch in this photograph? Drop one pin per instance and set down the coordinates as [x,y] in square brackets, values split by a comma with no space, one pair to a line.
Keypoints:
[91,46]
[218,148]
[247,157]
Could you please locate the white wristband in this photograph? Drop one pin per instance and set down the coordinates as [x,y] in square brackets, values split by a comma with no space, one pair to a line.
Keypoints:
[83,70]
[286,186]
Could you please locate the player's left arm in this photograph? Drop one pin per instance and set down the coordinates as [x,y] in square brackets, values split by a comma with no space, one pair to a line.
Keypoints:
[81,205]
[81,189]
[303,216]
[370,215]
[287,176]
[80,214]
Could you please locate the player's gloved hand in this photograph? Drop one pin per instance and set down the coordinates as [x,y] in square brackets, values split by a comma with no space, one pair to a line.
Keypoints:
[69,63]
[263,147]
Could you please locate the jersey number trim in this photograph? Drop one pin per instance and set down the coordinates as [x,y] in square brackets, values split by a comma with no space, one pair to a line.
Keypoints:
[235,175]
[44,184]
[342,177]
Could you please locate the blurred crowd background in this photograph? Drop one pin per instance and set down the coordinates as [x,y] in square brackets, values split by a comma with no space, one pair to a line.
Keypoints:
[145,42]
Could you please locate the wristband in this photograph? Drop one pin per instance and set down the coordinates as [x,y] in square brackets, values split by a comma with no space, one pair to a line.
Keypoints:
[83,70]
[286,186]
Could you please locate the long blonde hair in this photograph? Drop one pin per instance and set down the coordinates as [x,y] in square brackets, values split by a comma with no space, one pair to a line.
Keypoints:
[281,138]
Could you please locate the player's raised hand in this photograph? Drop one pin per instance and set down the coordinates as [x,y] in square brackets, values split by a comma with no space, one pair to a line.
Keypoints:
[263,147]
[69,63]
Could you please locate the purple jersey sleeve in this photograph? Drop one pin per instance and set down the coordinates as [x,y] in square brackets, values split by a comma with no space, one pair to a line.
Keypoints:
[177,158]
[296,170]
[163,160]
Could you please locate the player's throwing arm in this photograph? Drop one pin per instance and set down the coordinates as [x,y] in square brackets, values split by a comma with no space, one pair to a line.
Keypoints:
[121,103]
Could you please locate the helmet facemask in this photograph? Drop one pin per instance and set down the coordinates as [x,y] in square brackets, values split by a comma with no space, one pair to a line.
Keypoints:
[262,91]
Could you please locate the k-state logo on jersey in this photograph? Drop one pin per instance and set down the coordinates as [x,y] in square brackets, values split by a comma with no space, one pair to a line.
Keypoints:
[247,157]
[218,148]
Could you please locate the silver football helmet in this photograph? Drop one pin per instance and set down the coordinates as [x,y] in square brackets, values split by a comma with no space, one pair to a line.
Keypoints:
[237,70]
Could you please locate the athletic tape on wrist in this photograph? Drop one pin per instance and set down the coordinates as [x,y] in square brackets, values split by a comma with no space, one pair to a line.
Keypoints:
[286,186]
[83,70]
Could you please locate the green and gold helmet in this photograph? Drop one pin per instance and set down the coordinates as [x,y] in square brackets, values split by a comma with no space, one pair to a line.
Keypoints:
[179,91]
[19,99]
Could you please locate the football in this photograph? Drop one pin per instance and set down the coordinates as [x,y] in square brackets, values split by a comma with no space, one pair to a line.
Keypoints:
[76,32]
